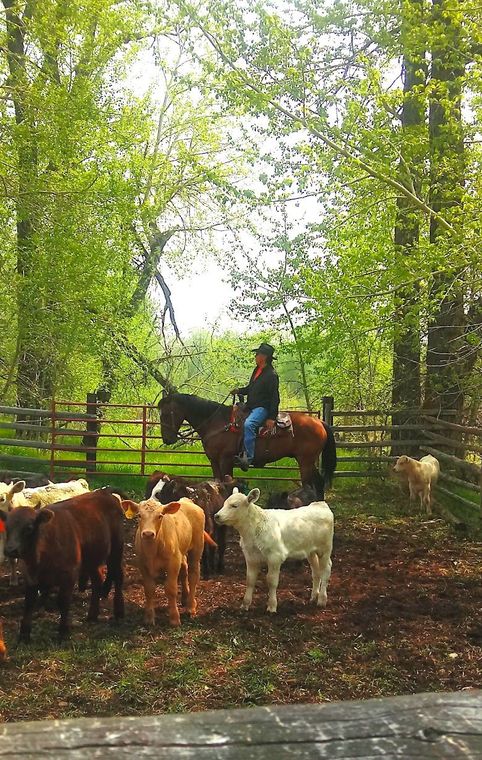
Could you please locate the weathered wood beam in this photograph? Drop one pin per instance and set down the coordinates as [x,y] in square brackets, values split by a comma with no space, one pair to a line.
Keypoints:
[415,726]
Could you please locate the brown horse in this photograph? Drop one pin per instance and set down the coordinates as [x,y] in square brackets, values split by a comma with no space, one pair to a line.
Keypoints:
[210,420]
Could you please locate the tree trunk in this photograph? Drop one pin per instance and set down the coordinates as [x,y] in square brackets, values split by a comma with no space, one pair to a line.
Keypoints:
[34,376]
[406,391]
[443,387]
[152,256]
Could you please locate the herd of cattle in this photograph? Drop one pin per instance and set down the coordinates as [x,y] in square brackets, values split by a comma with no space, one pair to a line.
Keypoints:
[65,535]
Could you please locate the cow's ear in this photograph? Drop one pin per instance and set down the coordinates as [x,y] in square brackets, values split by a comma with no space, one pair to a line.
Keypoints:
[172,508]
[18,486]
[254,495]
[44,516]
[131,508]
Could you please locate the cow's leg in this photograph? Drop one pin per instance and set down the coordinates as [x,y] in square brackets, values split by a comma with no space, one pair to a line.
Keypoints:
[206,562]
[96,584]
[115,575]
[184,583]
[64,599]
[119,594]
[170,587]
[273,580]
[315,575]
[31,593]
[325,568]
[252,571]
[150,592]
[193,562]
[13,572]
[428,500]
[220,538]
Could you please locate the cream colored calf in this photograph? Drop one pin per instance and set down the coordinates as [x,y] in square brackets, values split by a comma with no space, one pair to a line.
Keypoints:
[421,477]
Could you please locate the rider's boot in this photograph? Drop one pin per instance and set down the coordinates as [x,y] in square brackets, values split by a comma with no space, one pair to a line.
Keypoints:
[242,462]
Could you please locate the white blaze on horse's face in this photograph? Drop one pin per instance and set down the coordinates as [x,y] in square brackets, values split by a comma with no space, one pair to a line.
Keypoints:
[234,508]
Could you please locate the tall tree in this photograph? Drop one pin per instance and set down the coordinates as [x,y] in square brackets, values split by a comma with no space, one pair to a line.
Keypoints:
[444,386]
[406,382]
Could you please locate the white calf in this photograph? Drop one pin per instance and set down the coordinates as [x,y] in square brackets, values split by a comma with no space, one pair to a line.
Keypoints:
[270,536]
[16,495]
[421,476]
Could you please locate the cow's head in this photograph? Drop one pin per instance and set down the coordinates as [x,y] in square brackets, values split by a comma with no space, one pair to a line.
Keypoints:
[234,510]
[159,487]
[150,514]
[175,490]
[24,526]
[401,463]
[7,494]
[172,418]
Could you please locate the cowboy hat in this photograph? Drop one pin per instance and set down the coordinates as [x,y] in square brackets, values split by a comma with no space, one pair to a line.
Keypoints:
[266,349]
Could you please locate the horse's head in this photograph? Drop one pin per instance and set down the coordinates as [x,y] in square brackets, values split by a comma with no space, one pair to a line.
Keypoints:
[171,419]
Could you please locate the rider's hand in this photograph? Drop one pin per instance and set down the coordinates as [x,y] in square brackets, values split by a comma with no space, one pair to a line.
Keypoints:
[270,424]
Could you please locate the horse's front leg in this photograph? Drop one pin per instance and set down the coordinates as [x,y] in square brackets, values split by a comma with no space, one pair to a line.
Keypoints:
[215,467]
[226,466]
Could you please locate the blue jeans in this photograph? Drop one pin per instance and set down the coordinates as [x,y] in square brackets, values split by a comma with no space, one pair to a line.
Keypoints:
[252,423]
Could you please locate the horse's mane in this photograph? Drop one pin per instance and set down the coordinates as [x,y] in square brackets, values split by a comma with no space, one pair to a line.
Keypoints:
[197,405]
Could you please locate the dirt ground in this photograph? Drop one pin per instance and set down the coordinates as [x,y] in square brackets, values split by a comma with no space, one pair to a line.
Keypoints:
[403,616]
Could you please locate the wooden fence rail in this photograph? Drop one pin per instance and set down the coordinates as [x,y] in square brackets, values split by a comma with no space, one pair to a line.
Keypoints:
[429,726]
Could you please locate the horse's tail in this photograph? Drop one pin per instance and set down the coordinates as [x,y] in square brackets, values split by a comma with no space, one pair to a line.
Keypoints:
[328,456]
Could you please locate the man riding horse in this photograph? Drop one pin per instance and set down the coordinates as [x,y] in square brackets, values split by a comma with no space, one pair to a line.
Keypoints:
[262,402]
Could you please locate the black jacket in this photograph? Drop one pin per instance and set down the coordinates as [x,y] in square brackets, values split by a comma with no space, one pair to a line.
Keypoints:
[264,391]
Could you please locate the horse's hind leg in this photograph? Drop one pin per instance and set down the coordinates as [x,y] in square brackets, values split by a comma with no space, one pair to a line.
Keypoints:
[311,475]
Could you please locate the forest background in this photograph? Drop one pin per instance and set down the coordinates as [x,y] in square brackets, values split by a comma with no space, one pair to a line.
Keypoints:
[326,155]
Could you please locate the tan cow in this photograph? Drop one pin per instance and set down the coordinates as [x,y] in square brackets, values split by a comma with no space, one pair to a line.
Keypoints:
[169,538]
[421,477]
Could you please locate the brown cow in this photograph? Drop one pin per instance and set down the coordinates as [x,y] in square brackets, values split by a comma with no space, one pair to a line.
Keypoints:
[69,541]
[210,496]
[169,538]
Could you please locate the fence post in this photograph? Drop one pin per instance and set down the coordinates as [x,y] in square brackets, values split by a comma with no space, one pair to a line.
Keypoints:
[52,443]
[328,406]
[90,439]
[144,440]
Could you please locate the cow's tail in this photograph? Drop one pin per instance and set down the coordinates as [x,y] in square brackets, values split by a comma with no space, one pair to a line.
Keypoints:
[209,540]
[328,456]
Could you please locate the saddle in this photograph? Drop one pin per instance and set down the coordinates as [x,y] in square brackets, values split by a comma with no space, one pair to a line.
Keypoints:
[283,423]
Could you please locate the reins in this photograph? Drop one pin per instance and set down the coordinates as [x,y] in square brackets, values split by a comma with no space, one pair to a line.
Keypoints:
[186,435]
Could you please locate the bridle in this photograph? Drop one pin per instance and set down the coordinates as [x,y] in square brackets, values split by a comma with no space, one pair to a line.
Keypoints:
[187,435]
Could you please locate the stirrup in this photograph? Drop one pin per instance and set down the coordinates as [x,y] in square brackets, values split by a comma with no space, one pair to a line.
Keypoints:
[242,462]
